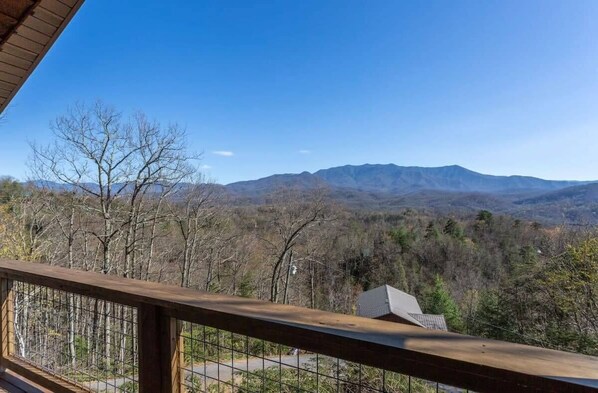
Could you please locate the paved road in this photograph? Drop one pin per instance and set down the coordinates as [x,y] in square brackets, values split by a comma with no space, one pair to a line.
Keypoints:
[222,371]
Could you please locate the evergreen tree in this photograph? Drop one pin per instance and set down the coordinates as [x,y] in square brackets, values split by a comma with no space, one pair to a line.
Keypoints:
[432,231]
[403,238]
[493,318]
[401,282]
[484,215]
[453,229]
[438,300]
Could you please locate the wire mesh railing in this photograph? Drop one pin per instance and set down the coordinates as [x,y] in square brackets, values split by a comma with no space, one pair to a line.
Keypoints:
[75,331]
[86,341]
[93,344]
[220,361]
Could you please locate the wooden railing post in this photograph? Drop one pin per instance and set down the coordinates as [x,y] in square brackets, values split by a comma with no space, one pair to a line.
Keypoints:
[159,355]
[6,321]
[172,361]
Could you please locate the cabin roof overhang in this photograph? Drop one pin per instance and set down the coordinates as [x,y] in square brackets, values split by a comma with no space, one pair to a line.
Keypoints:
[28,28]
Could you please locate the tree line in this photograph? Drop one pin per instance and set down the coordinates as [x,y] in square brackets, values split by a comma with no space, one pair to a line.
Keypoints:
[124,196]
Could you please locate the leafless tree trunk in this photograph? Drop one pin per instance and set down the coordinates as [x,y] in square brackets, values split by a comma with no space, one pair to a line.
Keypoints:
[291,219]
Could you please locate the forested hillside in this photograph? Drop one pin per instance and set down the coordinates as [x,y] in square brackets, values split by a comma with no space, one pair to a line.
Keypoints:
[491,275]
[442,190]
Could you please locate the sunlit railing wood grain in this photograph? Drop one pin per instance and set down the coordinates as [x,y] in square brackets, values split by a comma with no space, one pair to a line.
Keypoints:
[457,360]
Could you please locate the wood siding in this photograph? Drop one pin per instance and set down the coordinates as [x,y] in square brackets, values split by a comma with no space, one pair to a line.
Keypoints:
[27,31]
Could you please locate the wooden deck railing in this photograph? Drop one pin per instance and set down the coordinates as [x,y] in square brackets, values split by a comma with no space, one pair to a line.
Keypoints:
[157,312]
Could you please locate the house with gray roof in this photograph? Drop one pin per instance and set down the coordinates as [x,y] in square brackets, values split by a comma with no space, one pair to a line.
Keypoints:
[390,304]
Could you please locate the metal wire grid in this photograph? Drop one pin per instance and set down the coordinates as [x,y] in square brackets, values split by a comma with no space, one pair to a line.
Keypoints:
[218,361]
[86,341]
[93,343]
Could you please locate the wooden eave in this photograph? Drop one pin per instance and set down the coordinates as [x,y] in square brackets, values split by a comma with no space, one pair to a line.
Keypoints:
[28,28]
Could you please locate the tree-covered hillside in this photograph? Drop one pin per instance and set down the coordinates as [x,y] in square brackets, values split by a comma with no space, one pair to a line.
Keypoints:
[492,275]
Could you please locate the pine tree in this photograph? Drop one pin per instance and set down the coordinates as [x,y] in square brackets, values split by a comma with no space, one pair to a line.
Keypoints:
[439,301]
[484,215]
[452,228]
[401,282]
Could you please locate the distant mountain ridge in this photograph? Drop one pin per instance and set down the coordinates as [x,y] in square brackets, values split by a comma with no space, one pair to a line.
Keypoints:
[398,180]
[442,189]
[448,189]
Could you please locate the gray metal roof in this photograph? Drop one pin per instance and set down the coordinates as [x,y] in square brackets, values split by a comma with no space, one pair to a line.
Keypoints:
[385,300]
[380,301]
[431,321]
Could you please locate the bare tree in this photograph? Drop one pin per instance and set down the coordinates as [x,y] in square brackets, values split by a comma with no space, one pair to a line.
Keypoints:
[194,212]
[116,164]
[290,217]
[113,165]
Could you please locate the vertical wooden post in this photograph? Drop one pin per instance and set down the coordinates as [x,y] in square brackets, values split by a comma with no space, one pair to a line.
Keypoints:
[159,355]
[6,321]
[171,354]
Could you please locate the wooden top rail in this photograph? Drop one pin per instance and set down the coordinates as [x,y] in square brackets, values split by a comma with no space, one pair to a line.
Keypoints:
[454,359]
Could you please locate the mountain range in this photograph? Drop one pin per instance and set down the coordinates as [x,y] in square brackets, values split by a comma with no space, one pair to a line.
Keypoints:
[442,190]
[448,189]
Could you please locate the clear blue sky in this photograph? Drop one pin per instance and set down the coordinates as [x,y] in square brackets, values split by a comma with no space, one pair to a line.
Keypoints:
[500,87]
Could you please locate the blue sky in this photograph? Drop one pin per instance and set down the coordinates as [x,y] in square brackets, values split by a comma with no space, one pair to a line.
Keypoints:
[500,87]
